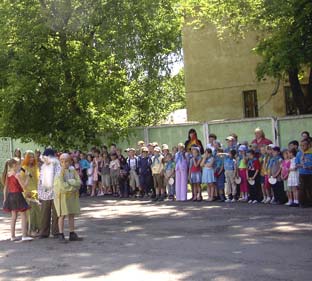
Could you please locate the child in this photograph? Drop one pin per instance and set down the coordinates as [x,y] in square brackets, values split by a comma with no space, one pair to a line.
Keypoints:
[230,169]
[169,176]
[304,163]
[285,165]
[158,172]
[208,177]
[14,201]
[114,167]
[145,172]
[181,171]
[66,186]
[95,175]
[275,172]
[263,160]
[242,172]
[90,172]
[195,173]
[253,174]
[30,166]
[293,177]
[84,166]
[266,166]
[105,173]
[133,165]
[219,174]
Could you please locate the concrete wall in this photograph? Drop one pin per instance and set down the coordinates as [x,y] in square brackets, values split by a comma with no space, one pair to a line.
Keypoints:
[218,71]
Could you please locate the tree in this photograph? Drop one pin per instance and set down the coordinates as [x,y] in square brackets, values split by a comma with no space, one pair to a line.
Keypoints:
[285,30]
[74,69]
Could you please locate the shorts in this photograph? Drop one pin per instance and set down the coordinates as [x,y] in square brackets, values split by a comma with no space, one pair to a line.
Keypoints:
[158,181]
[262,179]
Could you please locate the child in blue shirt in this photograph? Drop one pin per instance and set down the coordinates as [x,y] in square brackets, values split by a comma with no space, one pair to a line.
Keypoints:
[304,163]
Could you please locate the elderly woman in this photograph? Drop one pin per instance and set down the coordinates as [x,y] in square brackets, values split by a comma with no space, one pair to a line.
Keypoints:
[66,200]
[260,139]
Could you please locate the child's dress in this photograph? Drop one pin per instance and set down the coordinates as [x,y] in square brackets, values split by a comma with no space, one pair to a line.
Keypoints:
[208,173]
[15,200]
[220,177]
[285,173]
[293,177]
[196,175]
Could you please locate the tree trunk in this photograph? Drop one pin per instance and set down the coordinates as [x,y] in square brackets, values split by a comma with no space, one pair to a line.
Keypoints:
[296,89]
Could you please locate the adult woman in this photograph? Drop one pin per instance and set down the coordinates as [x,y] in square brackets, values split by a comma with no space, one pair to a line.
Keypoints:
[260,139]
[193,140]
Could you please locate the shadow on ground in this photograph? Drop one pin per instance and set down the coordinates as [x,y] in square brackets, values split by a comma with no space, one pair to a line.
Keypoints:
[141,240]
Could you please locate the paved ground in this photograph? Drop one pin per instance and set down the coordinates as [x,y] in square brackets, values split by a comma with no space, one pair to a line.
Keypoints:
[140,240]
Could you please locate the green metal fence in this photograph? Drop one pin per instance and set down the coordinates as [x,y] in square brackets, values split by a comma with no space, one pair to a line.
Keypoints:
[279,130]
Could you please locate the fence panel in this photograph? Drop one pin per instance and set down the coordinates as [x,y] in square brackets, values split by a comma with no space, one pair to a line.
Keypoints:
[290,128]
[243,128]
[5,151]
[172,135]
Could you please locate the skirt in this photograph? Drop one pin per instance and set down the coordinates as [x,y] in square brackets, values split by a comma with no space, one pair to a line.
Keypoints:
[196,177]
[15,202]
[293,179]
[208,176]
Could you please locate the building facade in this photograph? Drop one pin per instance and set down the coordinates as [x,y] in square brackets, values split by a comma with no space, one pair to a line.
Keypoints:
[221,82]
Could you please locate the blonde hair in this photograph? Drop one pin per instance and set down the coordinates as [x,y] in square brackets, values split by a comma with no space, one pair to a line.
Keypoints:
[258,130]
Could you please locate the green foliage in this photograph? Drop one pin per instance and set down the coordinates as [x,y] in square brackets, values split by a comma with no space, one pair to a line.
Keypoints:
[74,69]
[284,28]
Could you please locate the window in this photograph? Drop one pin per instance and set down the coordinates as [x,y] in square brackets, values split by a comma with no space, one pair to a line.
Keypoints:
[291,108]
[250,103]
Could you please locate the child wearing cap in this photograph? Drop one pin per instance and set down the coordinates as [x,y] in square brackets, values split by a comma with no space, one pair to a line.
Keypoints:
[158,174]
[145,172]
[181,172]
[169,176]
[242,172]
[230,170]
[195,175]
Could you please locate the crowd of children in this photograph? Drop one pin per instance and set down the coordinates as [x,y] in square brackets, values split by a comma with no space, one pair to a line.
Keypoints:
[260,172]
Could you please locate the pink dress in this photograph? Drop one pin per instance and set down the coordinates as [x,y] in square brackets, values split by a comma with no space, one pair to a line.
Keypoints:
[95,170]
[285,169]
